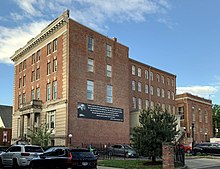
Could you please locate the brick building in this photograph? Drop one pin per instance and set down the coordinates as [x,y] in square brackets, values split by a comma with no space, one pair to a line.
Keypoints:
[195,111]
[75,80]
[5,124]
[149,87]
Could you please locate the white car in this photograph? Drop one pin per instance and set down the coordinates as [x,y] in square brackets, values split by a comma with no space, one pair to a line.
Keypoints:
[18,156]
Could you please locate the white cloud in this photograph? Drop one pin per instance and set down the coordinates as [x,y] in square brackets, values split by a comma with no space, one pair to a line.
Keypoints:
[11,39]
[201,91]
[94,14]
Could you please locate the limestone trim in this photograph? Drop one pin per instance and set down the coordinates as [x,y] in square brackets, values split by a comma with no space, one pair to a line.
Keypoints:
[57,24]
[189,98]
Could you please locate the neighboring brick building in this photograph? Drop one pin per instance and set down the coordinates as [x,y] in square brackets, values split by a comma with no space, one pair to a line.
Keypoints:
[5,124]
[149,87]
[197,111]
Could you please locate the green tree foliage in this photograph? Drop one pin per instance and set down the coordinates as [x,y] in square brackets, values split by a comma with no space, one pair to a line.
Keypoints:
[156,127]
[216,119]
[41,135]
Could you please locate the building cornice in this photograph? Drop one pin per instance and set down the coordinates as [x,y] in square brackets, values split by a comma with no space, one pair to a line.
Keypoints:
[193,99]
[45,33]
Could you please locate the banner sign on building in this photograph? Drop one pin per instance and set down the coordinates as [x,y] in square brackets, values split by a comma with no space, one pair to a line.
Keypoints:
[91,111]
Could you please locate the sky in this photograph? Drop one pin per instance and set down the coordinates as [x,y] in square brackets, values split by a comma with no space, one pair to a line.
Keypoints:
[178,36]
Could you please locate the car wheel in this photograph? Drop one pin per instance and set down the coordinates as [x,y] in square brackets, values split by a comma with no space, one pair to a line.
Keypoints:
[15,164]
[126,155]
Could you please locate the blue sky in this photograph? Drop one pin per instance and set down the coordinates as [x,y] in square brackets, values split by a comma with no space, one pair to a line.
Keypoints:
[178,36]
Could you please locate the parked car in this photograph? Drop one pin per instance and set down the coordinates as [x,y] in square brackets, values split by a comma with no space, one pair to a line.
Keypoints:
[65,158]
[19,155]
[122,150]
[206,148]
[187,148]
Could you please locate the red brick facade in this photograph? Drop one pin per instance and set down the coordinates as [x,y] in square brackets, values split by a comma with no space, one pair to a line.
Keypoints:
[196,110]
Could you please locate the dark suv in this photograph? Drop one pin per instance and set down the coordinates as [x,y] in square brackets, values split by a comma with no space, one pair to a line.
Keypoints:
[122,150]
[206,148]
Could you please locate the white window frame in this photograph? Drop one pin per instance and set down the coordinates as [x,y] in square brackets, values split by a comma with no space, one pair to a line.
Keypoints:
[139,86]
[90,90]
[109,71]
[90,43]
[133,70]
[133,85]
[139,72]
[109,98]
[90,65]
[108,50]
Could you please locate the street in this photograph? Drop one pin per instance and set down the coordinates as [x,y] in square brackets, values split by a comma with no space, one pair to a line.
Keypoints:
[203,163]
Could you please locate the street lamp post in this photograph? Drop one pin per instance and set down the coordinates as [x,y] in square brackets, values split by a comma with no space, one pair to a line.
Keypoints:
[193,135]
[70,139]
[205,137]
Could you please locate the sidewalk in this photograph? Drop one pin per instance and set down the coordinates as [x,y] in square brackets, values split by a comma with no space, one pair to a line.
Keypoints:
[101,167]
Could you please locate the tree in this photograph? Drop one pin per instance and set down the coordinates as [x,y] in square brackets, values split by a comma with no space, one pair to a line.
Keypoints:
[155,128]
[41,135]
[216,119]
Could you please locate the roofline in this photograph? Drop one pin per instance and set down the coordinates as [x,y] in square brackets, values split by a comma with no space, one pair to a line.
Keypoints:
[152,67]
[52,27]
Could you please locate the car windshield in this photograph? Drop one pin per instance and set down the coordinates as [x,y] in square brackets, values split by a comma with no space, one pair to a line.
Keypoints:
[33,149]
[128,147]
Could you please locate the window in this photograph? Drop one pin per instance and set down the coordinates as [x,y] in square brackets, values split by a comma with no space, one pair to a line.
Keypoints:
[33,59]
[54,65]
[51,120]
[200,116]
[55,45]
[32,76]
[133,102]
[54,90]
[146,74]
[38,93]
[24,98]
[152,90]
[158,92]
[158,78]
[174,110]
[20,82]
[173,96]
[38,55]
[19,101]
[24,80]
[20,67]
[48,92]
[168,94]
[193,117]
[48,68]
[90,90]
[109,71]
[146,88]
[139,104]
[49,48]
[152,105]
[168,81]
[133,85]
[172,82]
[90,65]
[32,94]
[181,112]
[133,70]
[162,93]
[147,104]
[139,72]
[24,64]
[109,93]
[206,117]
[139,86]
[108,50]
[90,44]
[162,79]
[151,76]
[163,107]
[38,74]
